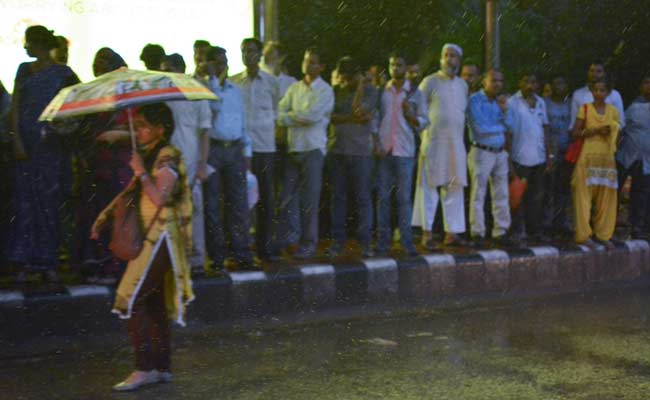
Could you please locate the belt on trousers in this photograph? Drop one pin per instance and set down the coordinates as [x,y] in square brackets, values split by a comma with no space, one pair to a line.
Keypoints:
[225,143]
[488,148]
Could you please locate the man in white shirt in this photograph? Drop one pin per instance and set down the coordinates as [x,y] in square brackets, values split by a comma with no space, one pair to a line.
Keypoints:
[403,112]
[274,63]
[261,97]
[230,153]
[192,121]
[530,154]
[305,110]
[443,157]
[582,96]
[200,47]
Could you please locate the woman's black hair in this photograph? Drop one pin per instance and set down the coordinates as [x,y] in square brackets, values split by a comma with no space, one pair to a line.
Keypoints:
[158,114]
[607,82]
[41,36]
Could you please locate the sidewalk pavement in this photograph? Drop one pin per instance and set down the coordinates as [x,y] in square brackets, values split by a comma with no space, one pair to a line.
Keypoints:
[468,277]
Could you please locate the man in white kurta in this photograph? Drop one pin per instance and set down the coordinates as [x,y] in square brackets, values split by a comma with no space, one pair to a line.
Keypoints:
[443,158]
[192,119]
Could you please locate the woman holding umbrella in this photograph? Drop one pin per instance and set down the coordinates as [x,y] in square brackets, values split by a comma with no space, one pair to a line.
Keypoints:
[156,285]
[42,167]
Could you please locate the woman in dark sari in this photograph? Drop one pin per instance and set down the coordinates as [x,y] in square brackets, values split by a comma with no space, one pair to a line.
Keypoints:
[104,154]
[42,163]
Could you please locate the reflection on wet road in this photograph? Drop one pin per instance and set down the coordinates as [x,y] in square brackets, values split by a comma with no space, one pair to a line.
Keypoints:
[595,346]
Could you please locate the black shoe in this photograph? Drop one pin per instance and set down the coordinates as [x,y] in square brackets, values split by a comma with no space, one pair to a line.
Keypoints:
[503,241]
[304,252]
[411,251]
[335,250]
[454,240]
[248,265]
[215,273]
[382,251]
[367,252]
[479,242]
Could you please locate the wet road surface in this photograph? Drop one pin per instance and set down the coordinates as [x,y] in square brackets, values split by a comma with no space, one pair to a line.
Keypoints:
[594,346]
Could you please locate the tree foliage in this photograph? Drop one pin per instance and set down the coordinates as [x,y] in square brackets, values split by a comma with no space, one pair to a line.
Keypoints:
[548,36]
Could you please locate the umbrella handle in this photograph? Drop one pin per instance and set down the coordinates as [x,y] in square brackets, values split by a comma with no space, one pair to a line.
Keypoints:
[129,112]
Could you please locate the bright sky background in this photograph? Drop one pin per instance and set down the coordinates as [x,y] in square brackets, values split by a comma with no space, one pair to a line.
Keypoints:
[125,26]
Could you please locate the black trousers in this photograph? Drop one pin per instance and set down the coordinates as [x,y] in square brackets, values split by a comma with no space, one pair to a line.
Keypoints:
[149,326]
[528,217]
[639,209]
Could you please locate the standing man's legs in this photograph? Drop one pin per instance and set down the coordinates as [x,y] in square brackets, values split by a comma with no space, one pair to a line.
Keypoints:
[263,169]
[338,199]
[534,199]
[479,163]
[500,195]
[639,198]
[311,179]
[385,180]
[425,205]
[404,173]
[361,167]
[235,207]
[213,191]
[288,207]
[453,212]
[198,227]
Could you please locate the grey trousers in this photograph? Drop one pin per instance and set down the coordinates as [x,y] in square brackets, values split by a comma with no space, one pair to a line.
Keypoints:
[302,180]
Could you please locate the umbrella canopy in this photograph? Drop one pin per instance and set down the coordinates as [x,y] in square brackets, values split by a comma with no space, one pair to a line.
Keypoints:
[123,88]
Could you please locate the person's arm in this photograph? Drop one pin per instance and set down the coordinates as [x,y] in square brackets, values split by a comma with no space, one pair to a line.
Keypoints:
[574,110]
[421,111]
[215,87]
[317,108]
[246,138]
[548,142]
[204,152]
[284,107]
[580,130]
[205,124]
[159,188]
[617,102]
[14,112]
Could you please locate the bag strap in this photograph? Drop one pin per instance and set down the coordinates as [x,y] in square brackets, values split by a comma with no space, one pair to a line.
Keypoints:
[153,221]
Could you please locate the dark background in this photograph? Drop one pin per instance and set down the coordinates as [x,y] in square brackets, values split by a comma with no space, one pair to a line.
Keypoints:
[547,36]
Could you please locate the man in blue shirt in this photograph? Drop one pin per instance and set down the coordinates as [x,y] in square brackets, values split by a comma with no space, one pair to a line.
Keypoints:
[229,156]
[488,160]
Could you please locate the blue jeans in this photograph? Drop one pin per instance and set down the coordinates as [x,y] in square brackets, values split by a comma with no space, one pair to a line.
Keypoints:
[394,173]
[350,175]
[302,180]
[226,191]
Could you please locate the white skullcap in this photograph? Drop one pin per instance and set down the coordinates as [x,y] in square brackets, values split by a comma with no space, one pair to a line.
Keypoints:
[453,46]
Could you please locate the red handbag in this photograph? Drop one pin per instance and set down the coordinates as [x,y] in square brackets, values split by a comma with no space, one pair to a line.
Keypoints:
[573,151]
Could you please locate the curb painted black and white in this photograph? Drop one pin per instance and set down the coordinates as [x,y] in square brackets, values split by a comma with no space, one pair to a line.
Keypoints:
[429,277]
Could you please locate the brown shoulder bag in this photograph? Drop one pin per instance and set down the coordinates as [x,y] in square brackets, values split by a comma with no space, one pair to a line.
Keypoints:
[127,237]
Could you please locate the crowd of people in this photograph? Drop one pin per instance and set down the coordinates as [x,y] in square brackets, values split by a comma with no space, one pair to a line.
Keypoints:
[380,151]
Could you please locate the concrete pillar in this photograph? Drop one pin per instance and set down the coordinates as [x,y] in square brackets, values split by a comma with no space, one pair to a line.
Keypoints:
[492,45]
[266,19]
[271,31]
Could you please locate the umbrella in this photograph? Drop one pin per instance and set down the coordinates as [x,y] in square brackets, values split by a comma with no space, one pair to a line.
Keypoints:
[123,88]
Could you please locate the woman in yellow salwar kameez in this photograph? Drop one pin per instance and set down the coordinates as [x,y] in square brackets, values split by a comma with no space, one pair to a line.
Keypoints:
[156,285]
[594,180]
